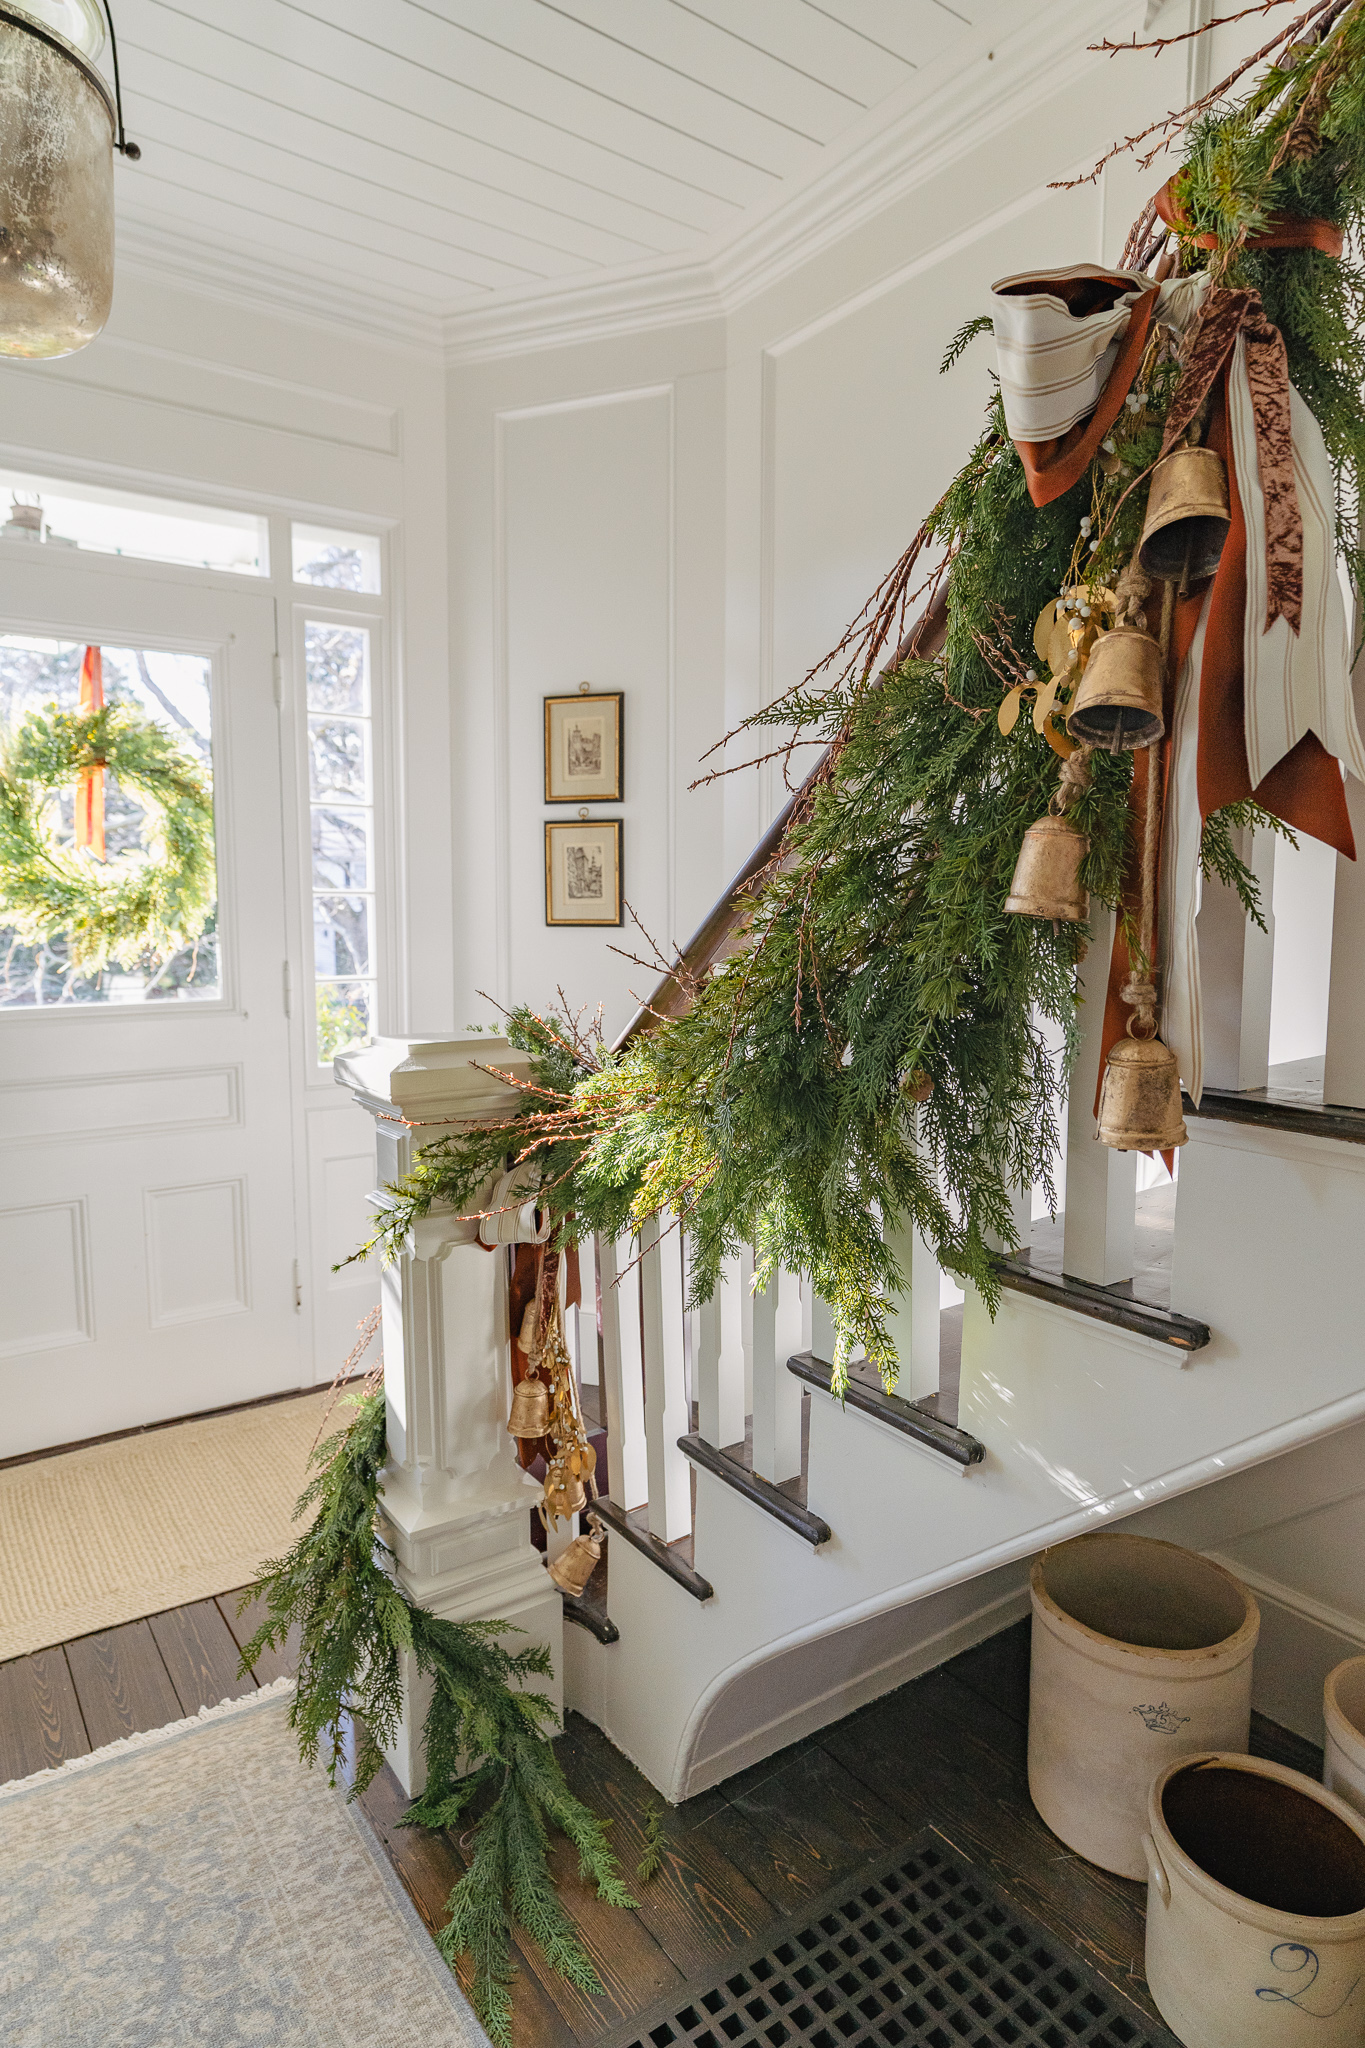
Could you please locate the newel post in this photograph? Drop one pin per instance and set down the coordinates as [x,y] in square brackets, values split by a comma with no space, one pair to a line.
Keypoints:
[456,1506]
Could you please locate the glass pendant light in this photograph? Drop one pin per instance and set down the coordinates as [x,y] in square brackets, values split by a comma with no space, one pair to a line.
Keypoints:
[59,128]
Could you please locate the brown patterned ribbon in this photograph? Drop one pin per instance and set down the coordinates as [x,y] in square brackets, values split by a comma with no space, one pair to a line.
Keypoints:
[1222,317]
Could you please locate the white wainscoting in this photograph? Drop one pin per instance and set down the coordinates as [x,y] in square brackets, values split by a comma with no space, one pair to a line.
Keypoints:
[46,1299]
[196,1252]
[121,1105]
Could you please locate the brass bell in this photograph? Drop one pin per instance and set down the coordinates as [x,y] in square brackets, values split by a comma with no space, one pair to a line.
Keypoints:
[1140,1098]
[1047,875]
[1187,516]
[1118,703]
[577,1561]
[530,1408]
[565,1494]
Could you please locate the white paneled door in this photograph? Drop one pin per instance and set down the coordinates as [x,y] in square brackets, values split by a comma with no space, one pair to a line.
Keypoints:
[148,1240]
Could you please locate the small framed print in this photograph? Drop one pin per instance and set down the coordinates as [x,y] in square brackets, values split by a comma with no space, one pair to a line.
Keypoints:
[583,748]
[583,872]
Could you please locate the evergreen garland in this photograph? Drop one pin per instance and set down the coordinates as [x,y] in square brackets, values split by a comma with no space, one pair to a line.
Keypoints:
[483,1732]
[879,1048]
[124,908]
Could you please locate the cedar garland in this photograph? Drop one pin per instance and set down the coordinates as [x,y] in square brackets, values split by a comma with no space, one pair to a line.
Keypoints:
[483,1737]
[878,957]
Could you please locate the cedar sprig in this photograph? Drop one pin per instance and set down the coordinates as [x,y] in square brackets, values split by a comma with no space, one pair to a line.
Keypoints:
[486,1731]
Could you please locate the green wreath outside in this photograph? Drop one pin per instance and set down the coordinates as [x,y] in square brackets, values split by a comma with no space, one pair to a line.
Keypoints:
[154,901]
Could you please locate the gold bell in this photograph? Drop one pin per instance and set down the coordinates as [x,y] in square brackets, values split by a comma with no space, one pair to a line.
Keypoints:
[565,1494]
[1118,703]
[1047,875]
[577,1561]
[1140,1098]
[1187,516]
[530,1408]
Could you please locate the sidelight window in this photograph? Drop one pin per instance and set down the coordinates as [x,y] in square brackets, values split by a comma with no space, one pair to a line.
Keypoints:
[341,832]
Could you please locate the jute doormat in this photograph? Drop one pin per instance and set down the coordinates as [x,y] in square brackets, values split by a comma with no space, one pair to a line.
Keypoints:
[199,1885]
[100,1536]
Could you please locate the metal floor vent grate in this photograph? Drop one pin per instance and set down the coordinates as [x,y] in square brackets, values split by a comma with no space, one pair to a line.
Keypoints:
[916,1950]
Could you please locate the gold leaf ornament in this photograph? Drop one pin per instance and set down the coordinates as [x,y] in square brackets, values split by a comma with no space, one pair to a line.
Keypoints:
[1042,631]
[1043,703]
[1008,715]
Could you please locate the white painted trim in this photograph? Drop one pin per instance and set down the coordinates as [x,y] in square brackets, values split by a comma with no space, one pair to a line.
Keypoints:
[1301,1604]
[846,1697]
[1264,1140]
[502,682]
[277,289]
[230,1070]
[1233,1457]
[935,119]
[989,78]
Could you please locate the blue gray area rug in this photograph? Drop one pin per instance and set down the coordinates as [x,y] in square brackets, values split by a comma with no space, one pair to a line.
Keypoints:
[198,1888]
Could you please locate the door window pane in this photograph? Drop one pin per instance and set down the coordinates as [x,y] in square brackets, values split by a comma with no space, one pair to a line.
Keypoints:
[338,758]
[337,659]
[341,935]
[335,560]
[341,825]
[345,1017]
[341,848]
[106,836]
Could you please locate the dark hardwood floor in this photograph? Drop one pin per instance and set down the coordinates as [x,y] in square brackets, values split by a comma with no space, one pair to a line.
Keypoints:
[946,1750]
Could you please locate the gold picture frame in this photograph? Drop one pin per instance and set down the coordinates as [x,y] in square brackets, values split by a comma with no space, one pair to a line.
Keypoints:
[583,751]
[583,871]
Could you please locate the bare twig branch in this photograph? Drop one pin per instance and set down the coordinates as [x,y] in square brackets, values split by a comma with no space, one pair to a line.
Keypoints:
[1319,17]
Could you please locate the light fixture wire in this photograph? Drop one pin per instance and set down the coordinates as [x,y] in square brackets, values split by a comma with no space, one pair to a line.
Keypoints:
[131,150]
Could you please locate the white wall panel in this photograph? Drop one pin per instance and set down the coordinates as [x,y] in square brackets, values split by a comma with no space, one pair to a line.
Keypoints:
[121,1105]
[586,539]
[45,1292]
[196,1252]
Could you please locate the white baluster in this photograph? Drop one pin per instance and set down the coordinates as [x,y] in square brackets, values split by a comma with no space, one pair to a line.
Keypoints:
[913,1316]
[1235,961]
[719,1363]
[777,1396]
[622,1373]
[1344,1075]
[1101,1184]
[666,1417]
[817,1323]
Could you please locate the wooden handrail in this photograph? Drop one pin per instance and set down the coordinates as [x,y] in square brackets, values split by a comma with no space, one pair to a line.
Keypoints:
[721,925]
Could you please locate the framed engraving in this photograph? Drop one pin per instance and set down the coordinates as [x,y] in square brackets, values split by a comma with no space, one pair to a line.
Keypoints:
[583,748]
[583,872]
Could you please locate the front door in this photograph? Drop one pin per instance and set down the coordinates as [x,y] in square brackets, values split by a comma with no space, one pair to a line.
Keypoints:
[148,1244]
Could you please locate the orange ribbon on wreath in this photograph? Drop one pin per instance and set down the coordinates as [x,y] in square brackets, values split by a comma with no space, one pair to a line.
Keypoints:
[90,788]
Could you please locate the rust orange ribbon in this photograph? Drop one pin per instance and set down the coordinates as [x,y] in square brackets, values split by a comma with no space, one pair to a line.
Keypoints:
[1052,467]
[1305,788]
[1281,231]
[90,788]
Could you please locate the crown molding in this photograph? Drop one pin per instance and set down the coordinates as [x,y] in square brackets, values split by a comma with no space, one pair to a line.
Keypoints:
[628,301]
[988,79]
[258,286]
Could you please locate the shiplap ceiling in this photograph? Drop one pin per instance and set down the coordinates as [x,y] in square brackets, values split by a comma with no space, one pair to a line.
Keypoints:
[417,158]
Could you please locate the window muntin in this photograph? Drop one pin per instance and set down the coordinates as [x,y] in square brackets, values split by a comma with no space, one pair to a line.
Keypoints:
[334,560]
[175,691]
[341,832]
[45,511]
